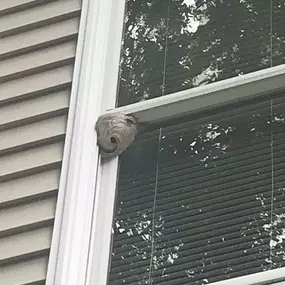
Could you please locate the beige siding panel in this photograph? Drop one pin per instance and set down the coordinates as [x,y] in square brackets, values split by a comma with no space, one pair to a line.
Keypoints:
[38,40]
[8,5]
[29,186]
[35,84]
[29,63]
[24,136]
[25,272]
[26,216]
[34,107]
[26,243]
[40,15]
[11,165]
[42,36]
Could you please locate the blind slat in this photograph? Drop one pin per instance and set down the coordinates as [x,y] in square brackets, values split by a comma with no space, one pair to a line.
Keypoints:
[183,220]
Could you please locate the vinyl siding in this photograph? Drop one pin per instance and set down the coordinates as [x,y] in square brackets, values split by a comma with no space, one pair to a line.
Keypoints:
[37,52]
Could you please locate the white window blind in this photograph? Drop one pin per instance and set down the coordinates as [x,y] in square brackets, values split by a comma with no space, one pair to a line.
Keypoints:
[202,199]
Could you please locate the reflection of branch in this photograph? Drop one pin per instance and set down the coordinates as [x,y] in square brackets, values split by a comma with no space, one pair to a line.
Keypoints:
[147,33]
[131,19]
[135,59]
[215,3]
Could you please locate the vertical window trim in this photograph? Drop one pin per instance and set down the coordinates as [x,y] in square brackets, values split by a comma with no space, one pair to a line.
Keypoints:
[93,92]
[101,234]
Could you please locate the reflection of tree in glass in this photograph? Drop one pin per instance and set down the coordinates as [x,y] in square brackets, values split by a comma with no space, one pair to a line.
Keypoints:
[216,218]
[185,43]
[148,248]
[208,144]
[214,214]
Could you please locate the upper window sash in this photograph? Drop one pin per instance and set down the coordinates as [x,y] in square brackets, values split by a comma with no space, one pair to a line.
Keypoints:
[79,224]
[207,96]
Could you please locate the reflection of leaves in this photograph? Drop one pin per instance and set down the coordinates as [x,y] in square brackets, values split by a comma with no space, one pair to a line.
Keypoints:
[220,198]
[164,253]
[209,143]
[276,229]
[147,24]
[202,44]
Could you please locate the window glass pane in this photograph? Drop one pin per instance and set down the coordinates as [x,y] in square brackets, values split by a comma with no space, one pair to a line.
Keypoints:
[172,45]
[202,199]
[278,33]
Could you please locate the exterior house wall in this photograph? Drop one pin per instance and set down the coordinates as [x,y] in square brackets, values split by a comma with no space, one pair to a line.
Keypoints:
[37,52]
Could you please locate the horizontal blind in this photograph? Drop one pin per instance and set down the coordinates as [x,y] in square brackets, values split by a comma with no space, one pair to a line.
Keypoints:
[203,199]
[172,45]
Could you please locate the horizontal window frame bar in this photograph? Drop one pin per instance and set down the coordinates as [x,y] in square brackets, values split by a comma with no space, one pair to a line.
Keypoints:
[272,277]
[207,96]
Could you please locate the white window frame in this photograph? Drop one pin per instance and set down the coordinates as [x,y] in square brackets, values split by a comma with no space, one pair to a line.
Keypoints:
[81,240]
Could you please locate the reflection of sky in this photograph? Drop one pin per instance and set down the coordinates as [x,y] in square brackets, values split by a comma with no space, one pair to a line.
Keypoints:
[189,2]
[193,23]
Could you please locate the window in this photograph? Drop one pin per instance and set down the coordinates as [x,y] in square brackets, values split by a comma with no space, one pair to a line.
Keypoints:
[199,198]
